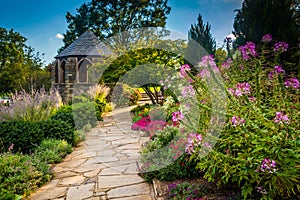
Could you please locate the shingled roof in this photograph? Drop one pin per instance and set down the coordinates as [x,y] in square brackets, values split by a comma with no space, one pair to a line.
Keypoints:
[85,45]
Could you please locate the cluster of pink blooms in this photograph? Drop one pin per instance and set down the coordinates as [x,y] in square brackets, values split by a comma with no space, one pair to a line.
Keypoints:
[240,89]
[281,118]
[292,83]
[148,125]
[277,70]
[237,121]
[281,47]
[188,91]
[177,116]
[227,63]
[267,38]
[183,70]
[194,140]
[267,166]
[248,50]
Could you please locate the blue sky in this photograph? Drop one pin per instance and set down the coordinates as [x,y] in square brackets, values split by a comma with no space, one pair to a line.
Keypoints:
[42,20]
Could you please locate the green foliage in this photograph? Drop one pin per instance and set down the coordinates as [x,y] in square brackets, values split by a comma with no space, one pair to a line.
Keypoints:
[26,136]
[20,66]
[125,95]
[84,113]
[186,190]
[19,175]
[107,18]
[257,17]
[52,151]
[79,135]
[163,157]
[64,113]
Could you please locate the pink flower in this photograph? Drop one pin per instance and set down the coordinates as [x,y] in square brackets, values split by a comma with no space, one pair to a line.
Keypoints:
[204,73]
[176,116]
[208,61]
[281,47]
[227,64]
[240,89]
[267,166]
[267,38]
[194,140]
[188,91]
[248,50]
[277,70]
[237,121]
[261,190]
[183,70]
[292,82]
[281,118]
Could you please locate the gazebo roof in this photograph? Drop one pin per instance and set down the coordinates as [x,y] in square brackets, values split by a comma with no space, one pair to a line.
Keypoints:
[85,45]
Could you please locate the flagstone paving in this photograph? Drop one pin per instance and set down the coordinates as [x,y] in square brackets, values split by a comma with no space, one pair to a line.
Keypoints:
[102,167]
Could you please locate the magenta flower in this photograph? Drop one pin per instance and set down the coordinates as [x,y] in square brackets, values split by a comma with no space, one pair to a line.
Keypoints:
[267,38]
[183,70]
[237,121]
[248,50]
[277,70]
[188,91]
[281,118]
[194,140]
[240,89]
[204,73]
[176,116]
[208,61]
[267,166]
[227,63]
[292,82]
[281,47]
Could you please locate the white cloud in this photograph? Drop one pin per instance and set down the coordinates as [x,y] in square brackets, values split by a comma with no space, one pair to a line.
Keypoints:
[59,36]
[231,36]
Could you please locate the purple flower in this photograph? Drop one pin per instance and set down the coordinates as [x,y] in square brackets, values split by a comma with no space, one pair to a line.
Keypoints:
[267,166]
[194,140]
[176,116]
[188,91]
[267,38]
[227,63]
[183,70]
[292,82]
[248,50]
[208,61]
[281,118]
[204,73]
[237,121]
[277,70]
[240,89]
[281,47]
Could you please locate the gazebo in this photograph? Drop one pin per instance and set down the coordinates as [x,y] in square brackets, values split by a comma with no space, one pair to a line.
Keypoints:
[72,63]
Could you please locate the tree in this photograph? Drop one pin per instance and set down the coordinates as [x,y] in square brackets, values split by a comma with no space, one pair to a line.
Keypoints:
[200,39]
[106,18]
[20,66]
[256,18]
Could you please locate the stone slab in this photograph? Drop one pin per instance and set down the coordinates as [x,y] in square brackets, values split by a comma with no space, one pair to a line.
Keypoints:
[129,191]
[80,192]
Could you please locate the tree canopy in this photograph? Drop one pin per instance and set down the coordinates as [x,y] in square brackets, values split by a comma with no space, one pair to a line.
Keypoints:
[20,65]
[280,18]
[200,40]
[106,18]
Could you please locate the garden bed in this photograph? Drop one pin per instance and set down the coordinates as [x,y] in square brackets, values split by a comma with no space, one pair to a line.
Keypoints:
[210,190]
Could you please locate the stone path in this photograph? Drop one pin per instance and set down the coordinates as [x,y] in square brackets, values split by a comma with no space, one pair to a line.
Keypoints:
[103,167]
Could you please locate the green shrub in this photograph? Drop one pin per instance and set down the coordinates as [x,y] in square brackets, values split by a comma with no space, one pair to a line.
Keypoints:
[52,151]
[79,135]
[65,114]
[83,114]
[57,129]
[19,176]
[26,136]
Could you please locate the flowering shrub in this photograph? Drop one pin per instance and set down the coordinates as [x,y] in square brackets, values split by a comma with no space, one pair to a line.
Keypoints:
[257,148]
[39,105]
